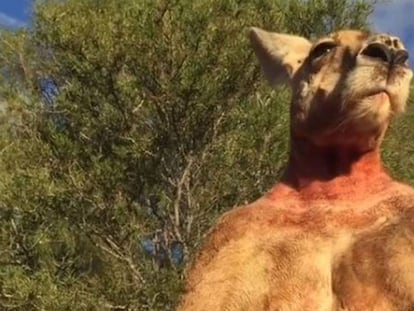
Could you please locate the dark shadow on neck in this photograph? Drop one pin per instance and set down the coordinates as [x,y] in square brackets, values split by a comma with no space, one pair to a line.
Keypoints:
[309,163]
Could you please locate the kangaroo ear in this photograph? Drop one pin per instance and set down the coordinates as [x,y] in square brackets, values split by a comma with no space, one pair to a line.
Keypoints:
[280,55]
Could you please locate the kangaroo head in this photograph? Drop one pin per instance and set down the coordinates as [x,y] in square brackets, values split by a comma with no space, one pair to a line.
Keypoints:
[346,86]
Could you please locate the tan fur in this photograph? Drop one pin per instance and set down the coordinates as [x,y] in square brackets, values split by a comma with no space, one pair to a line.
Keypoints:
[337,232]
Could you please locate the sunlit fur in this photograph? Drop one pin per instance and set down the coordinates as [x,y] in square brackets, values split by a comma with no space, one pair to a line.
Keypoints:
[338,97]
[336,233]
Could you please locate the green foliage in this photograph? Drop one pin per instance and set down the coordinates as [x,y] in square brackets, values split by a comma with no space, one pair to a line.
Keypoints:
[162,122]
[397,149]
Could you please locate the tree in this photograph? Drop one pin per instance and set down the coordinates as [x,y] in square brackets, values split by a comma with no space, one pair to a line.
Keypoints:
[131,125]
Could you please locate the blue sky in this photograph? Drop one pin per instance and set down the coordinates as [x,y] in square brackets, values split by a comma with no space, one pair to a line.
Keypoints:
[15,13]
[396,17]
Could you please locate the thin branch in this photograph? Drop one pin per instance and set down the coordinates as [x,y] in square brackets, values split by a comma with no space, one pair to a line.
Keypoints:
[113,249]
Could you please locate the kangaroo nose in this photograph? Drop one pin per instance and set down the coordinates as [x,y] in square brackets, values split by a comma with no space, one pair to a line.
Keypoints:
[378,51]
[384,53]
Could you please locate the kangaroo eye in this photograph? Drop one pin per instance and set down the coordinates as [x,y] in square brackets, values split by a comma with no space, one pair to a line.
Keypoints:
[321,50]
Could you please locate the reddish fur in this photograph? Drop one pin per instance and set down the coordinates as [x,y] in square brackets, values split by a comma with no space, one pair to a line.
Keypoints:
[324,237]
[361,194]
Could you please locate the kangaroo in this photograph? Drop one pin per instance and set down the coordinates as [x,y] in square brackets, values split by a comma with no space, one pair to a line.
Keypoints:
[337,231]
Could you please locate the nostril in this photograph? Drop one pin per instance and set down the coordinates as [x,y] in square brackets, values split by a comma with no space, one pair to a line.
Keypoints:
[400,57]
[377,50]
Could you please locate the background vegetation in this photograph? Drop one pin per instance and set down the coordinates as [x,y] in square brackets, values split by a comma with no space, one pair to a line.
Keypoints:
[127,128]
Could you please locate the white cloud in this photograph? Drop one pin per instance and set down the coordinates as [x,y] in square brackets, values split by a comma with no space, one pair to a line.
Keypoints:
[8,21]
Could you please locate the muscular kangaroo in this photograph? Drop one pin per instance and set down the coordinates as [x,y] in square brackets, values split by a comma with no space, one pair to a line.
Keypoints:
[337,231]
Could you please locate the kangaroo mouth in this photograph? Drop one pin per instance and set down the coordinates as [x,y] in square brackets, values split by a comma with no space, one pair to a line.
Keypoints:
[377,91]
[379,95]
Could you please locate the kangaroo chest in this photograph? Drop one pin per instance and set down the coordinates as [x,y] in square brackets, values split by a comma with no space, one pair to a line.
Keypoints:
[344,259]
